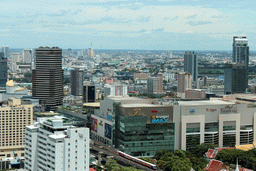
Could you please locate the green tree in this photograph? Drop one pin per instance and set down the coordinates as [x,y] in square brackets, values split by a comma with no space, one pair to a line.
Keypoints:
[182,154]
[111,165]
[174,163]
[130,169]
[198,163]
[66,80]
[147,159]
[201,149]
[28,74]
[160,153]
[97,167]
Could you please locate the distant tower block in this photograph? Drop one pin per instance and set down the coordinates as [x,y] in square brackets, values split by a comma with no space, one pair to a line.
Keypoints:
[90,52]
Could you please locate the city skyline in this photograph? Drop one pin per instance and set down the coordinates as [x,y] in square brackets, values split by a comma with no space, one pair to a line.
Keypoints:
[138,25]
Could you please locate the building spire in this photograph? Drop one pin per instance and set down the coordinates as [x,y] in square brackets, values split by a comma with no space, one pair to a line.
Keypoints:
[92,53]
[237,169]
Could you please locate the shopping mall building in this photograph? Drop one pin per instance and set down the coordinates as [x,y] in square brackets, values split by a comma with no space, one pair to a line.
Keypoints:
[140,127]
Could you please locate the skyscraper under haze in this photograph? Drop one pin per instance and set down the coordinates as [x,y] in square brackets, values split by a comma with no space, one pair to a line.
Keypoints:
[5,50]
[47,78]
[3,70]
[191,64]
[241,52]
[235,79]
[77,82]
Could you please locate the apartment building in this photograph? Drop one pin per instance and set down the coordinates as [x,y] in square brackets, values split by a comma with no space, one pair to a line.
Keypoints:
[53,144]
[13,118]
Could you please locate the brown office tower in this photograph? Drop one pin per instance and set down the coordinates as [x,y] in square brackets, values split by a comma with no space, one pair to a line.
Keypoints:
[47,78]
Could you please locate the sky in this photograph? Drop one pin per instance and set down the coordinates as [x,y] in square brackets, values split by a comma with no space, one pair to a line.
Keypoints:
[127,24]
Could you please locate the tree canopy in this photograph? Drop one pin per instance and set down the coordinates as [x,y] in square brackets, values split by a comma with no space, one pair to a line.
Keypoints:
[245,158]
[183,160]
[112,165]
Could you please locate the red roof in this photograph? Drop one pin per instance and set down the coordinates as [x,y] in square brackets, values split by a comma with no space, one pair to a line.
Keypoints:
[244,169]
[92,169]
[211,153]
[219,149]
[214,165]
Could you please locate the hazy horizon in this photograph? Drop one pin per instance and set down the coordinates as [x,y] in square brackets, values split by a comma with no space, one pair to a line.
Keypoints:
[135,24]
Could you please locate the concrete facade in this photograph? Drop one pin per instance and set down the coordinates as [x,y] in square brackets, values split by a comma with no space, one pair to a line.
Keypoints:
[54,144]
[13,119]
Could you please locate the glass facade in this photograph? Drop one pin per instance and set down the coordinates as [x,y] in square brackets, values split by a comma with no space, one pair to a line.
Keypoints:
[133,135]
[246,134]
[229,134]
[211,134]
[192,135]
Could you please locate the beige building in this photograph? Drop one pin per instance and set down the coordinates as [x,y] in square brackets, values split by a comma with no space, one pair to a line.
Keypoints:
[195,94]
[184,82]
[141,76]
[155,84]
[13,119]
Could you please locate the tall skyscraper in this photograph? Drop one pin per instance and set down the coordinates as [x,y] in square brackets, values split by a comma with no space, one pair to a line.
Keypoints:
[3,70]
[54,144]
[77,82]
[191,64]
[5,50]
[184,83]
[14,118]
[155,84]
[89,94]
[47,78]
[235,78]
[240,50]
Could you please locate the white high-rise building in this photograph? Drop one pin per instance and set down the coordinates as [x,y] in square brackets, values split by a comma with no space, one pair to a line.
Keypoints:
[97,59]
[115,90]
[15,57]
[53,144]
[27,56]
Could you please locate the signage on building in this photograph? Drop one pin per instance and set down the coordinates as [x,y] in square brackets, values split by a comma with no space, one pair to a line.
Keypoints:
[212,110]
[192,110]
[94,125]
[100,123]
[109,113]
[109,117]
[228,110]
[160,119]
[108,131]
[136,112]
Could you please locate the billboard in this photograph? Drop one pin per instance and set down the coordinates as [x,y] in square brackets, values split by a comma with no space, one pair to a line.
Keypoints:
[94,125]
[108,131]
[160,119]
